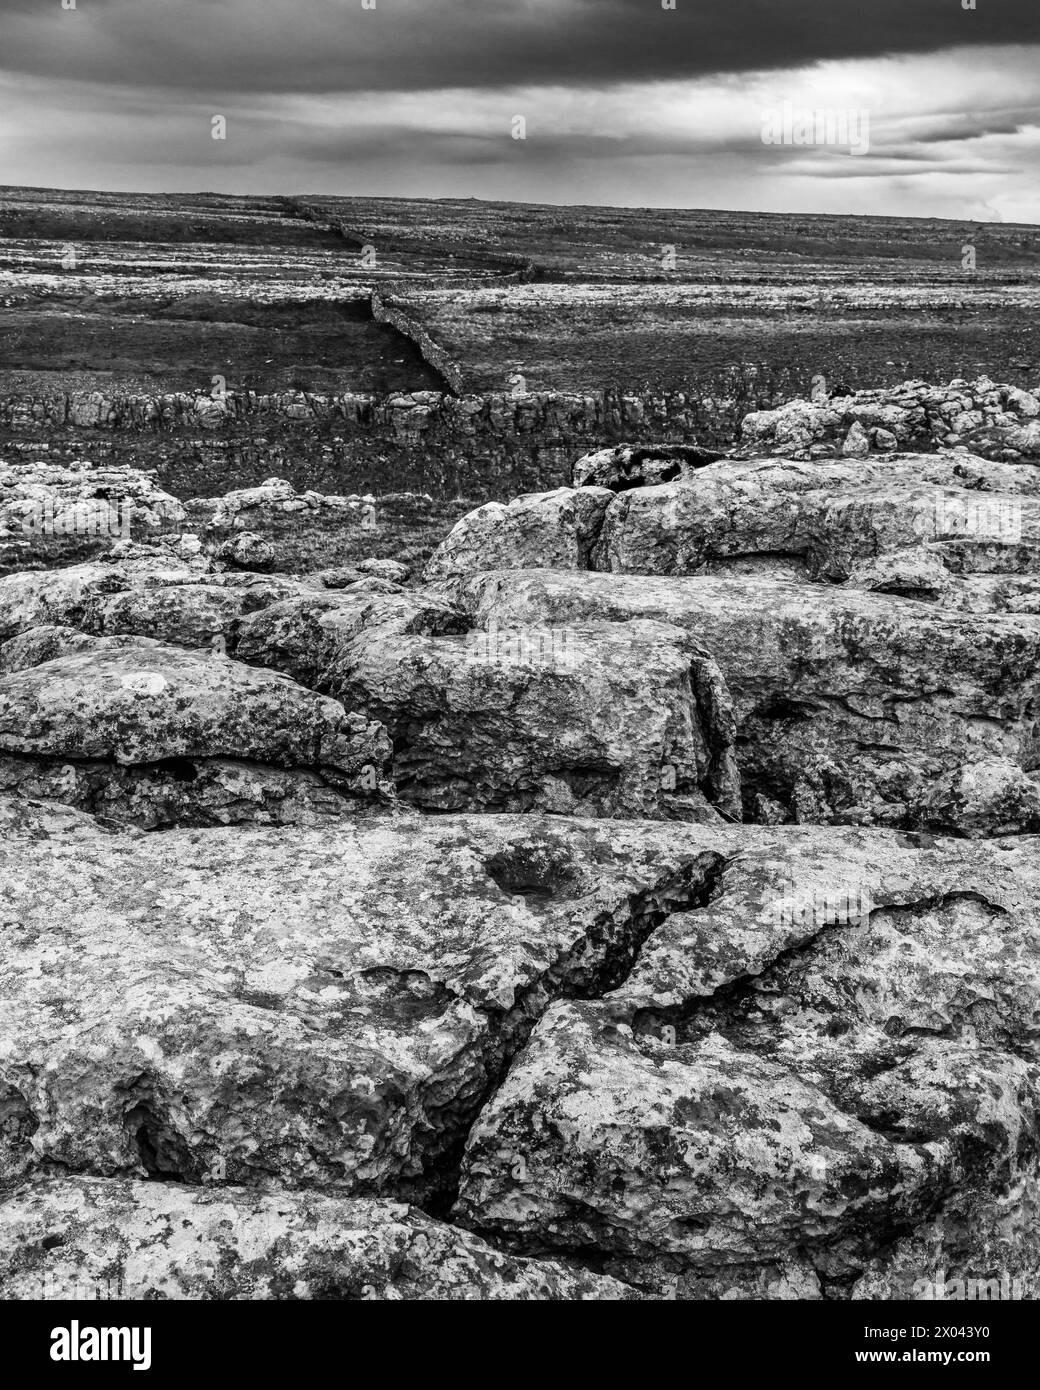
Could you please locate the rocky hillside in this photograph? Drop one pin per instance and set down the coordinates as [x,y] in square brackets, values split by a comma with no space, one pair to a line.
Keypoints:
[635,896]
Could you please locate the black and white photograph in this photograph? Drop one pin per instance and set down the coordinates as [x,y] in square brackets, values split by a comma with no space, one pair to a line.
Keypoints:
[519,673]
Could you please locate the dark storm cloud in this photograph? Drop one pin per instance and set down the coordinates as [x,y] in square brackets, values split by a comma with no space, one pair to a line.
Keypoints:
[884,168]
[470,147]
[314,46]
[940,130]
[625,101]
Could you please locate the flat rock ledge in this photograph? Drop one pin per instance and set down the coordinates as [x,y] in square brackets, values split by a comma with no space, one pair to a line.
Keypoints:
[732,1061]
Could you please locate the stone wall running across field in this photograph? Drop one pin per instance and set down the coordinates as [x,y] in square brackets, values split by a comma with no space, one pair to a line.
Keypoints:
[478,446]
[506,267]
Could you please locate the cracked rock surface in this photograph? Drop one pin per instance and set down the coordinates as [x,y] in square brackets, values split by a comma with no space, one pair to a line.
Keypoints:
[823,1077]
[133,1240]
[646,904]
[797,519]
[852,707]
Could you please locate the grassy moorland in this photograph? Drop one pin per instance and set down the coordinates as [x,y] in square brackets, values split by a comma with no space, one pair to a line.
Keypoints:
[129,299]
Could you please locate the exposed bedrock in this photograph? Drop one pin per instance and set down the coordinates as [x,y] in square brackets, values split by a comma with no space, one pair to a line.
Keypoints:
[601,720]
[142,731]
[295,1008]
[777,516]
[851,707]
[62,514]
[595,719]
[756,1057]
[823,1081]
[556,530]
[82,1238]
[366,941]
[984,416]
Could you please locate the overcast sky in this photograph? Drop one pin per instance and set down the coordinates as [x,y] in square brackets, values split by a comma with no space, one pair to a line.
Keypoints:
[625,102]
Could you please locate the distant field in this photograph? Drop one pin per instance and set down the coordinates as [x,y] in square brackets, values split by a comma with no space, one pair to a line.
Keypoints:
[575,338]
[626,243]
[627,297]
[679,300]
[27,213]
[182,344]
[147,295]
